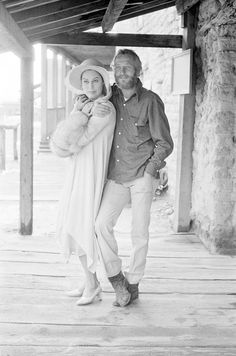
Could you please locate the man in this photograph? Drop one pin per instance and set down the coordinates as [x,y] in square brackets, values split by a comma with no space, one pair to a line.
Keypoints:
[141,143]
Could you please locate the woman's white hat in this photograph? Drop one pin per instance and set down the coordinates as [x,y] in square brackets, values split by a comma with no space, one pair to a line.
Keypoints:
[73,78]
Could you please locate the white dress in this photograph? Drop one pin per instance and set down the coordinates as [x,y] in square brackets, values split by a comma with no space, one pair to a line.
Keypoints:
[82,193]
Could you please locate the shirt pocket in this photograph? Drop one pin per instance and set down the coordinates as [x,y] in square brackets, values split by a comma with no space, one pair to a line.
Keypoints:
[142,130]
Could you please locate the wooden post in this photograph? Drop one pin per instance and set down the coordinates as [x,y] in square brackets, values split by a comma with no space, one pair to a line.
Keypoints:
[69,96]
[26,153]
[44,98]
[2,149]
[185,140]
[15,143]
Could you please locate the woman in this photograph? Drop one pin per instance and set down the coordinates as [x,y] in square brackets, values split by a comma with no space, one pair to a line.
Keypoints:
[89,149]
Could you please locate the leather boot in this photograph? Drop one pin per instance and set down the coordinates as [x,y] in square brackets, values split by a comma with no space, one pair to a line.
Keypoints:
[119,283]
[134,291]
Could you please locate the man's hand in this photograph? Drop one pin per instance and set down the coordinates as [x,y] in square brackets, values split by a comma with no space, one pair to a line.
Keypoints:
[101,110]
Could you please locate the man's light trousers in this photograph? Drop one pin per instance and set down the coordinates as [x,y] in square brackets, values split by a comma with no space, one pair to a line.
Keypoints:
[115,198]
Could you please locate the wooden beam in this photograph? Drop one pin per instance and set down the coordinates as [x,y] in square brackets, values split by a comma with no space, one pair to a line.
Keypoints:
[113,39]
[112,13]
[19,5]
[24,13]
[58,19]
[184,5]
[26,153]
[51,29]
[185,140]
[11,36]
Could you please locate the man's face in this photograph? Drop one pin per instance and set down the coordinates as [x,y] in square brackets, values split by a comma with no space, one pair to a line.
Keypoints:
[125,72]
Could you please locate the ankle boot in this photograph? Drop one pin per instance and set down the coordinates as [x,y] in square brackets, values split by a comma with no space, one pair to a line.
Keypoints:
[134,291]
[119,284]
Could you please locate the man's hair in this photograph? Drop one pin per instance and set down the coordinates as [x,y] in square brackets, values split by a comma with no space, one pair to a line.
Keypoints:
[133,55]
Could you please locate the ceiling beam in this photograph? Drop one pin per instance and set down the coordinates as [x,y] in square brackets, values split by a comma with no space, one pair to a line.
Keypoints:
[184,5]
[73,27]
[49,8]
[18,5]
[112,14]
[11,36]
[94,21]
[114,39]
[62,17]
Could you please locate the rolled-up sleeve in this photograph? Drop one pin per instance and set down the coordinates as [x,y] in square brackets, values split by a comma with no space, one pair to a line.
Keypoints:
[160,133]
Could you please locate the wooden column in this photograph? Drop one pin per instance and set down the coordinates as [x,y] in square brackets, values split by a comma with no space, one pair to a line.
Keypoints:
[185,139]
[26,153]
[61,89]
[44,98]
[2,149]
[69,96]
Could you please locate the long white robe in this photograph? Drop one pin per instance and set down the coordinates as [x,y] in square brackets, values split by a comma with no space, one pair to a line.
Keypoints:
[82,193]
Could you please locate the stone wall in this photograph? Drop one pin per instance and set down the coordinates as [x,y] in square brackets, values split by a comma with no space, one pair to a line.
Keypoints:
[156,74]
[214,170]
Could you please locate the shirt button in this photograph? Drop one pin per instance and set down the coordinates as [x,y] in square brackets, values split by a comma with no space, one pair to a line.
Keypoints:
[117,160]
[117,146]
[121,119]
[119,133]
[136,124]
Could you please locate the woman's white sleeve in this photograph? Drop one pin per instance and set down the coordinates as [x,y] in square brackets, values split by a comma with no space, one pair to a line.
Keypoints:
[93,128]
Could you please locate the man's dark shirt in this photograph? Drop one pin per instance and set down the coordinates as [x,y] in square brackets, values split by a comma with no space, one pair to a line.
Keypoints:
[142,135]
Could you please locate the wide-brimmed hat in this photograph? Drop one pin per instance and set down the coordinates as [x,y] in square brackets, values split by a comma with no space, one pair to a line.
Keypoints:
[73,78]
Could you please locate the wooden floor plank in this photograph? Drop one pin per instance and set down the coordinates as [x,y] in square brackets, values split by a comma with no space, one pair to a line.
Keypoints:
[42,257]
[114,336]
[161,286]
[47,307]
[167,245]
[152,271]
[114,351]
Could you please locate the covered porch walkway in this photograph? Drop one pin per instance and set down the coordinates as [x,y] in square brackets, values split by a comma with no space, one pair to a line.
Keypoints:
[187,303]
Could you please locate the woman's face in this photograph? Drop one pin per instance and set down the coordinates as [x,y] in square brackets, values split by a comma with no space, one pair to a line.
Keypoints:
[92,84]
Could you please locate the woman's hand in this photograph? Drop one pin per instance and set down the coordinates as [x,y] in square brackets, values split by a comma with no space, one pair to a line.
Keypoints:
[80,102]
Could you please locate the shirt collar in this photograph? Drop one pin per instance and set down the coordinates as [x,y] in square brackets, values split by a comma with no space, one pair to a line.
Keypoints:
[138,90]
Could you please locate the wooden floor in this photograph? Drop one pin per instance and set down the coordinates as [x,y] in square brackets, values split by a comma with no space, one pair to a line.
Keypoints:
[187,303]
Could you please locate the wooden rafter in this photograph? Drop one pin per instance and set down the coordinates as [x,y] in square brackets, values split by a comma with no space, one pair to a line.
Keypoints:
[184,5]
[73,15]
[113,39]
[48,30]
[11,36]
[55,8]
[112,14]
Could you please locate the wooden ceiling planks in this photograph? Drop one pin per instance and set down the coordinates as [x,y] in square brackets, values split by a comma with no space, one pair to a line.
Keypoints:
[39,19]
[63,22]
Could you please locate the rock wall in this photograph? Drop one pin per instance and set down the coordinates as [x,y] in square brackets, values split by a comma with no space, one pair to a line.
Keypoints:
[214,169]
